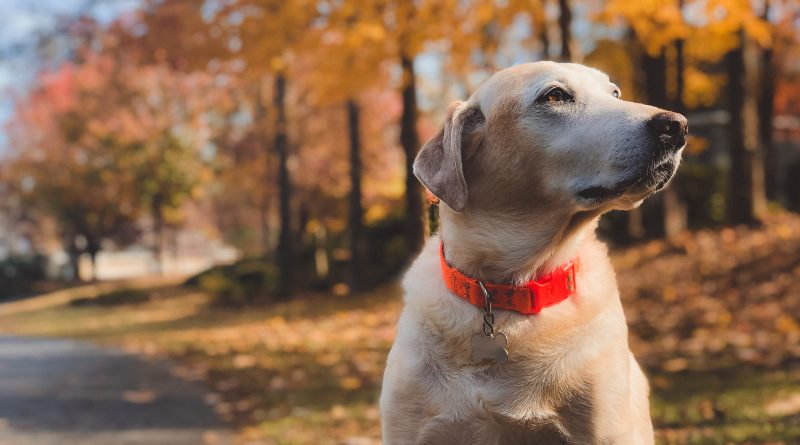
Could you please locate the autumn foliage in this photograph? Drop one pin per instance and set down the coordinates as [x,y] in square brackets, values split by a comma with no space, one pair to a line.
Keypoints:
[288,128]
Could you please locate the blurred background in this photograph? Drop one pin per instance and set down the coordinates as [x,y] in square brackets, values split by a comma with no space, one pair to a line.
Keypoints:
[225,183]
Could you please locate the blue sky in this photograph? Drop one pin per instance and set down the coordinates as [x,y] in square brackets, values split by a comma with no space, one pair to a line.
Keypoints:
[21,22]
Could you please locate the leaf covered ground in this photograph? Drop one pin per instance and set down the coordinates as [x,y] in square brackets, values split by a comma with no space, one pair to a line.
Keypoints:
[713,318]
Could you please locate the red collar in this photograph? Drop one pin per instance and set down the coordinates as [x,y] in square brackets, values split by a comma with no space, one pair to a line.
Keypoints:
[526,299]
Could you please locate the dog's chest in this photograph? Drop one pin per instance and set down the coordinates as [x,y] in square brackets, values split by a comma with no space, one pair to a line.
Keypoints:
[522,403]
[523,388]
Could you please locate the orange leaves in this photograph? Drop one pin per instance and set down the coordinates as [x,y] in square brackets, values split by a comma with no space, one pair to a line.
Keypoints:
[709,27]
[712,298]
[98,140]
[732,15]
[702,88]
[655,22]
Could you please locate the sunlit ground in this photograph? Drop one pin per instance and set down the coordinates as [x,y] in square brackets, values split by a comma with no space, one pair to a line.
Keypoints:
[713,320]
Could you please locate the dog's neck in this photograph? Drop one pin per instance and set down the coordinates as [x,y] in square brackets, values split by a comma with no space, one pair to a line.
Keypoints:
[509,250]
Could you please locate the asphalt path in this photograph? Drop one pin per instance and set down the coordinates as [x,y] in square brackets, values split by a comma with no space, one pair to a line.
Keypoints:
[61,392]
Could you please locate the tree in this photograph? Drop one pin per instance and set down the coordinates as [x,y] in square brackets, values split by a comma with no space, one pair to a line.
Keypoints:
[675,212]
[745,184]
[565,27]
[65,167]
[352,33]
[659,27]
[409,140]
[100,144]
[467,27]
[265,33]
[356,214]
[746,196]
[281,146]
[407,26]
[766,107]
[540,26]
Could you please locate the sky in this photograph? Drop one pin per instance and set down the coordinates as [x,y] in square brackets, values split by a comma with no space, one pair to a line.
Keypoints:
[21,22]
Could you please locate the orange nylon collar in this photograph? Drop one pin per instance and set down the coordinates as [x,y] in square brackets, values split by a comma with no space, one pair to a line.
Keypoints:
[527,299]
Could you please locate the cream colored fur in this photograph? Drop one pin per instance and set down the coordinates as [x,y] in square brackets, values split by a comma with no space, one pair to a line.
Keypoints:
[570,378]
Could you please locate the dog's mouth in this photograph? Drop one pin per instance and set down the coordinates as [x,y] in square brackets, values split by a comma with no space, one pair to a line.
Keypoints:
[652,179]
[600,193]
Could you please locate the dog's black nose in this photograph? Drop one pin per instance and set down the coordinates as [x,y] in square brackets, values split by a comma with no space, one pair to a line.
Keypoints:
[669,128]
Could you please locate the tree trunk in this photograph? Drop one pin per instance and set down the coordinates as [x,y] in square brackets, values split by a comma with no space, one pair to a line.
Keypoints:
[742,194]
[93,258]
[766,105]
[675,212]
[655,83]
[74,254]
[565,26]
[263,204]
[409,140]
[263,223]
[321,260]
[285,255]
[540,24]
[75,265]
[655,76]
[157,213]
[356,210]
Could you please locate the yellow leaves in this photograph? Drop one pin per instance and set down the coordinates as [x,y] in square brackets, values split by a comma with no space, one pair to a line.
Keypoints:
[139,397]
[655,23]
[783,406]
[720,295]
[277,64]
[784,231]
[786,324]
[614,58]
[485,12]
[696,145]
[675,364]
[669,293]
[241,361]
[367,33]
[730,16]
[701,88]
[712,31]
[350,383]
[759,30]
[301,365]
[376,213]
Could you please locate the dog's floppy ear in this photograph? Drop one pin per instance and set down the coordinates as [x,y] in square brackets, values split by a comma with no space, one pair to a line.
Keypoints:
[439,163]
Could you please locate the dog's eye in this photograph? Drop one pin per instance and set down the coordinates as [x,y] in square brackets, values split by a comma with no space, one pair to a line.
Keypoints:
[556,95]
[616,93]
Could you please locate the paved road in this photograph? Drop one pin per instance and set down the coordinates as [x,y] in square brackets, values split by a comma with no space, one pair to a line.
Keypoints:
[57,392]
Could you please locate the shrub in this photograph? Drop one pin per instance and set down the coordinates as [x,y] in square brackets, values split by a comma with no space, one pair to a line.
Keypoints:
[241,284]
[117,297]
[17,274]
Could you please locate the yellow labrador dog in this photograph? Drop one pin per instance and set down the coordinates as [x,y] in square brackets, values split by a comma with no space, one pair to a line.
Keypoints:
[513,331]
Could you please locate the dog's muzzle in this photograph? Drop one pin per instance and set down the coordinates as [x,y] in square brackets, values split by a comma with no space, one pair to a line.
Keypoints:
[668,131]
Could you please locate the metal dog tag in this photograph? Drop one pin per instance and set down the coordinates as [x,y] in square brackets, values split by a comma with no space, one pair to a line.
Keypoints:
[490,347]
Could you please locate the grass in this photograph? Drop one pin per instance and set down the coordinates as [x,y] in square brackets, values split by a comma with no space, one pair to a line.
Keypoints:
[733,406]
[299,372]
[309,371]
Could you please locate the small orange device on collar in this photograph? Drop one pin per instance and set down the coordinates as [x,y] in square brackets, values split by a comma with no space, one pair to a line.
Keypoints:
[528,299]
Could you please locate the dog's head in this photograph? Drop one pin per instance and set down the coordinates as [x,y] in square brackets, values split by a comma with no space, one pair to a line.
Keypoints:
[550,135]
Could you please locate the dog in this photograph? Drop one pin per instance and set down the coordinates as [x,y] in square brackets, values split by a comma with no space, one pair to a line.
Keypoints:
[512,330]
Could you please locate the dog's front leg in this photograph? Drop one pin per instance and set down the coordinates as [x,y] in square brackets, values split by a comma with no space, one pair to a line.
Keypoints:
[622,414]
